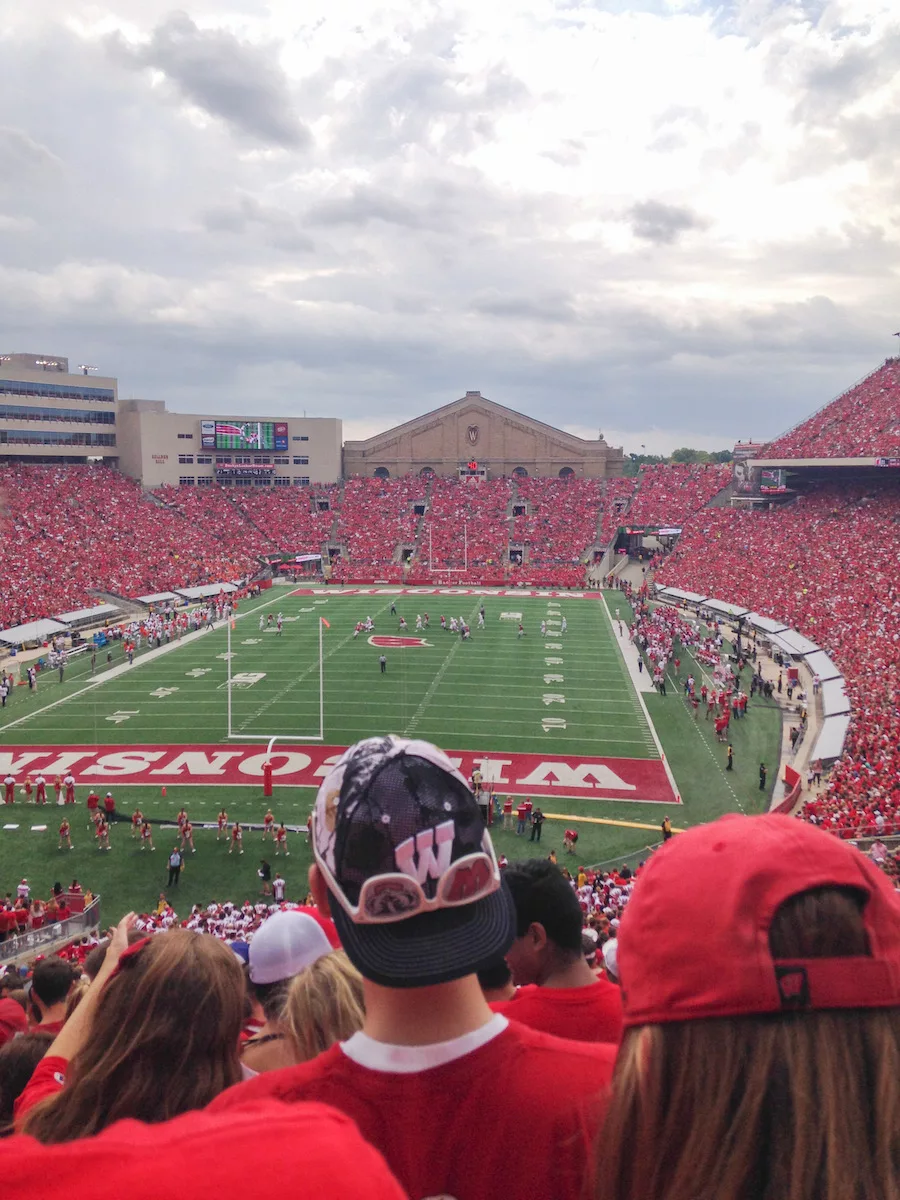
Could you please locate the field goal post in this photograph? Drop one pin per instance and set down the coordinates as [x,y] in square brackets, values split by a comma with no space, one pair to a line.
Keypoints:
[239,735]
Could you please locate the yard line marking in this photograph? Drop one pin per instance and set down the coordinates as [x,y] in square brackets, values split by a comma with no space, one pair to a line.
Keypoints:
[123,669]
[435,683]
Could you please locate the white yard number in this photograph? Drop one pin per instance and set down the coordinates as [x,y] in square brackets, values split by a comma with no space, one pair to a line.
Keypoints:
[553,698]
[162,692]
[549,723]
[197,673]
[244,679]
[554,678]
[553,662]
[123,715]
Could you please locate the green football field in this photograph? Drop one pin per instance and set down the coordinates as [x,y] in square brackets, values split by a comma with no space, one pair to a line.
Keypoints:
[554,716]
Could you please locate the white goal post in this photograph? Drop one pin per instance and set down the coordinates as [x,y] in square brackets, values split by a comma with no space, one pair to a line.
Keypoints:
[239,735]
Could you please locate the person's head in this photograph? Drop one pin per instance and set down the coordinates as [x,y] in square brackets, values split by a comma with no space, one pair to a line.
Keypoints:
[548,921]
[163,1040]
[406,865]
[773,1032]
[283,946]
[496,980]
[18,1058]
[50,984]
[323,1004]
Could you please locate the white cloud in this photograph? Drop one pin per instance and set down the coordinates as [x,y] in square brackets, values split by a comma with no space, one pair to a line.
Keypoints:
[656,216]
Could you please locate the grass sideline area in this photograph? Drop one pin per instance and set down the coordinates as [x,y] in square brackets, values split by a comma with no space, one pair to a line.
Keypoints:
[487,695]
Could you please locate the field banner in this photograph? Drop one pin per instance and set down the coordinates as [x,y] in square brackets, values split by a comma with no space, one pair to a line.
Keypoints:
[548,774]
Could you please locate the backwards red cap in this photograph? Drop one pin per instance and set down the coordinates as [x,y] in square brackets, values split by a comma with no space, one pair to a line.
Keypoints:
[694,939]
[12,1020]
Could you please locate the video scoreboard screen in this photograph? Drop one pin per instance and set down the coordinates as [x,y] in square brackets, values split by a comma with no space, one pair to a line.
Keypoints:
[253,436]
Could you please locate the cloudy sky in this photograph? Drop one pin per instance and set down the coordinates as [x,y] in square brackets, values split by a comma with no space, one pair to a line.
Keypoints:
[674,221]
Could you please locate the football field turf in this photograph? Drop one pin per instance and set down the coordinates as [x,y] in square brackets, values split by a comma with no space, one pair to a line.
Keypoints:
[552,716]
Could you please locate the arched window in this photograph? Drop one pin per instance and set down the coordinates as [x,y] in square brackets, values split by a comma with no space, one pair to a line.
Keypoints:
[426,472]
[520,472]
[382,473]
[566,473]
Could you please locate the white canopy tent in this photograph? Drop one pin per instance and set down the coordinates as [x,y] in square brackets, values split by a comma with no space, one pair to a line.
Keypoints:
[765,624]
[830,742]
[726,609]
[34,631]
[834,698]
[793,643]
[820,664]
[86,616]
[157,598]
[204,593]
[671,593]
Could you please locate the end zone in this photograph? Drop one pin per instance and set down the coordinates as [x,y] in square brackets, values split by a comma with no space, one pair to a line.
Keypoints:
[544,775]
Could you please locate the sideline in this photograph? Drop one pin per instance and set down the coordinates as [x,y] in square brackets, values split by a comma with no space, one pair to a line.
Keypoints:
[607,821]
[640,699]
[124,668]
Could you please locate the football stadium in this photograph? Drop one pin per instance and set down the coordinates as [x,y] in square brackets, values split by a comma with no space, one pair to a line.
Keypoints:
[608,663]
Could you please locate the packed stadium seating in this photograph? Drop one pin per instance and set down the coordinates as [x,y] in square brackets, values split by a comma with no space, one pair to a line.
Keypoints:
[827,566]
[668,494]
[862,423]
[72,530]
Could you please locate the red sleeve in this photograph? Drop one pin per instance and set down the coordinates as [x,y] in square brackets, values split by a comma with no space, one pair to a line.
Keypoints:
[49,1077]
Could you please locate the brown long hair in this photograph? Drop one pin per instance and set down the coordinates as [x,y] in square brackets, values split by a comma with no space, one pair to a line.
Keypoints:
[164,1040]
[802,1106]
[324,1005]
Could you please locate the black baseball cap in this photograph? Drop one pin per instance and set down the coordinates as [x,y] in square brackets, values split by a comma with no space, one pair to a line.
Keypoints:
[414,885]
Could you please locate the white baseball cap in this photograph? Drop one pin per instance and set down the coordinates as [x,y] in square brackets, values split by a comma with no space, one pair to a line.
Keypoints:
[284,945]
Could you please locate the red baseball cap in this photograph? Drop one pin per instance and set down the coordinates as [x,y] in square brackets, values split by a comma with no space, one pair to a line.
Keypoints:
[694,939]
[12,1020]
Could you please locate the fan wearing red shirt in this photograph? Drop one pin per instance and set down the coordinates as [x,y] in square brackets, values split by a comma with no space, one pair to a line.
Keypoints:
[306,1151]
[418,913]
[50,986]
[558,992]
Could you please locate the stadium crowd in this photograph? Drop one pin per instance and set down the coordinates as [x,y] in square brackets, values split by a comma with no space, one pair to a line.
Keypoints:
[827,566]
[73,531]
[862,423]
[399,1045]
[670,493]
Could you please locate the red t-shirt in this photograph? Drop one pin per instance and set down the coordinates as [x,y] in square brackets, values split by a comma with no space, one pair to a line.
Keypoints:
[48,1077]
[302,1150]
[447,1130]
[584,1014]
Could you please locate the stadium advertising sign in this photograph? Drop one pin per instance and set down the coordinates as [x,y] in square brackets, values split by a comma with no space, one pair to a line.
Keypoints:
[546,774]
[245,471]
[254,436]
[887,462]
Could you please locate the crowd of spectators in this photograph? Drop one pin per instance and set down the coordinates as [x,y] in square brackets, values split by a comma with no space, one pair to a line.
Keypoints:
[22,910]
[70,531]
[671,493]
[862,423]
[826,565]
[484,997]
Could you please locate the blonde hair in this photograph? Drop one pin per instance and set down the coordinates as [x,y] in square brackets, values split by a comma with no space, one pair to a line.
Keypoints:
[324,1004]
[801,1106]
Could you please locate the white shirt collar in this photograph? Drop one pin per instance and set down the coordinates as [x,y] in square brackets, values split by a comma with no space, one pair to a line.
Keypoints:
[410,1060]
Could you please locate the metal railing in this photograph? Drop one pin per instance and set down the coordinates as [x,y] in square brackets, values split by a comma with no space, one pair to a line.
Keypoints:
[36,940]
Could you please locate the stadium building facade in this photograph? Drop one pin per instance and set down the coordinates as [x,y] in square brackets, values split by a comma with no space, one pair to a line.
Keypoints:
[475,435]
[161,447]
[50,414]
